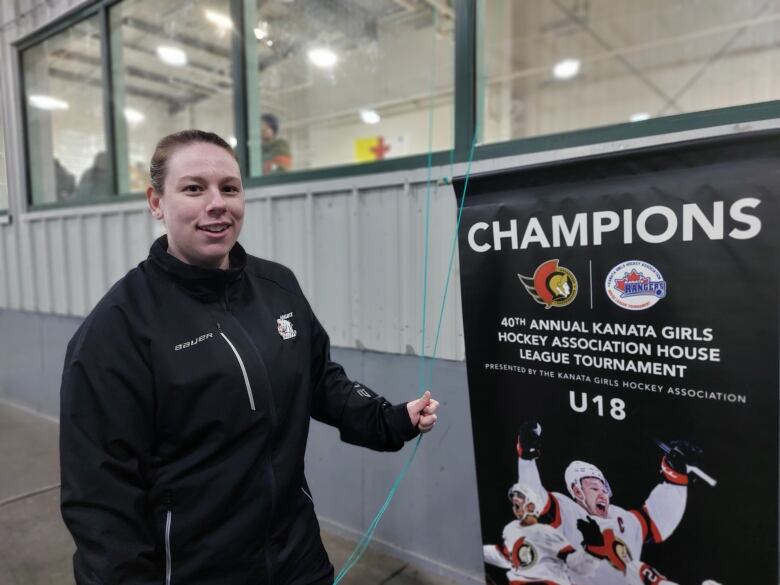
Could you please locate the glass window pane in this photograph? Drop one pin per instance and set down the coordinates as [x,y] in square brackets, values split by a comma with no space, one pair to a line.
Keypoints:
[335,83]
[64,105]
[551,66]
[3,169]
[172,71]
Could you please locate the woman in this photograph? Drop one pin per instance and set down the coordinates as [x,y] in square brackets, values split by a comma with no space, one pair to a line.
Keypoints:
[186,399]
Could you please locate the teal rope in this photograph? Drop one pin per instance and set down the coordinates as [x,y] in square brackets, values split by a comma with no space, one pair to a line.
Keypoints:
[421,383]
[365,540]
[454,243]
[368,535]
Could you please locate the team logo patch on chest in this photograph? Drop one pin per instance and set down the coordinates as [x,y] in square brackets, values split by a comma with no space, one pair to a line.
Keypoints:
[524,554]
[285,327]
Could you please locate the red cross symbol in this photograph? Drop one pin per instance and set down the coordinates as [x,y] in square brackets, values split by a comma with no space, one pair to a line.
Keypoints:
[380,149]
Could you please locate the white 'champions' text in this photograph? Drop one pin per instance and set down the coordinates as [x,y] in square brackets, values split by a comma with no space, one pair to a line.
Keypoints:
[653,225]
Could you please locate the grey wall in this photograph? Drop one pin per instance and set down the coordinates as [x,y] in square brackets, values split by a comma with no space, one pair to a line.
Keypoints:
[32,350]
[434,519]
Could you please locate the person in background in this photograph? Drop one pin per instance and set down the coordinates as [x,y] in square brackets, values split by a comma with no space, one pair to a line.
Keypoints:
[187,395]
[64,181]
[276,151]
[95,181]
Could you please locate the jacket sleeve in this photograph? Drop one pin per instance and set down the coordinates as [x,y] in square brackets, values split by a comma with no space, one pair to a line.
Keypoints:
[107,414]
[363,417]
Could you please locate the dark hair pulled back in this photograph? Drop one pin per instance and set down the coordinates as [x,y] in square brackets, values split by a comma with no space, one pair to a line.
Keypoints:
[171,143]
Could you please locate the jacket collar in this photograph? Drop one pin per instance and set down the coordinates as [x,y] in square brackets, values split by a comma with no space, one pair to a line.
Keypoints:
[204,283]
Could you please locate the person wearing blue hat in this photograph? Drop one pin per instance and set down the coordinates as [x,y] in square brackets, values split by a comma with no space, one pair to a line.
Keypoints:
[276,151]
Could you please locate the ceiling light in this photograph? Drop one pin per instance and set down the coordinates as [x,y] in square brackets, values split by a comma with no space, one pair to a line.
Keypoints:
[172,56]
[566,69]
[322,57]
[370,116]
[232,141]
[223,21]
[261,30]
[134,117]
[639,117]
[46,102]
[270,43]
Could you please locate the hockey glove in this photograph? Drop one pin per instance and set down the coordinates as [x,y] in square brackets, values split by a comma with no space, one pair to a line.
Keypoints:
[603,545]
[674,465]
[529,440]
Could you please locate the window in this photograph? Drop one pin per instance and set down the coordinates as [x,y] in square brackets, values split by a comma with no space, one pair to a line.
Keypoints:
[335,83]
[171,64]
[550,66]
[3,175]
[354,82]
[65,118]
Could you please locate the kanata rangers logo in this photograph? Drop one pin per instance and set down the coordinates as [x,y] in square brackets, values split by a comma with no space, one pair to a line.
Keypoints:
[285,327]
[551,285]
[635,285]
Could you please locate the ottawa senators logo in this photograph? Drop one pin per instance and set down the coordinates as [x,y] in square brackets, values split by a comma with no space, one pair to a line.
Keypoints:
[551,285]
[524,554]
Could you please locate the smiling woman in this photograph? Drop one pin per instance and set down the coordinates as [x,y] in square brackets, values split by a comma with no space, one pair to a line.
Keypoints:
[187,395]
[196,190]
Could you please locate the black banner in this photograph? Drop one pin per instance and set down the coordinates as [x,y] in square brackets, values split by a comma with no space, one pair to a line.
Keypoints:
[621,319]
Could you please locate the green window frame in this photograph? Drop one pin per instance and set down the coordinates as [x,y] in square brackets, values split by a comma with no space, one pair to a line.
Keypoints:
[466,110]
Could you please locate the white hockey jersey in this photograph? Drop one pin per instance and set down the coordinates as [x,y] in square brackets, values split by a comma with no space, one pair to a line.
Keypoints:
[654,522]
[536,553]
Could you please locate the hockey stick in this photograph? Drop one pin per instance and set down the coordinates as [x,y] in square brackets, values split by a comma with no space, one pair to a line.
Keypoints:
[702,474]
[697,471]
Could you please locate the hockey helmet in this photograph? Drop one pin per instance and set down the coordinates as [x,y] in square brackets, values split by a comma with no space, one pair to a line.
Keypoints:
[579,470]
[530,497]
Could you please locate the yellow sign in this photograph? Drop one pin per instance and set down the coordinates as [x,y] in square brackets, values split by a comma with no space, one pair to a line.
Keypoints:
[370,149]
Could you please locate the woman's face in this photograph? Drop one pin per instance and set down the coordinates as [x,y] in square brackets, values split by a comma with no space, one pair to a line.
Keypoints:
[202,204]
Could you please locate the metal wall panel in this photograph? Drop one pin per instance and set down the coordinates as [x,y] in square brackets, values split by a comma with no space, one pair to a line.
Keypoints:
[42,266]
[330,265]
[91,267]
[116,242]
[11,272]
[253,235]
[5,292]
[139,233]
[59,266]
[77,286]
[289,236]
[356,252]
[27,270]
[377,261]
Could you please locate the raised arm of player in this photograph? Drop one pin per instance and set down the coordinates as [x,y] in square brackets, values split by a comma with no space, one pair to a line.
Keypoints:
[665,506]
[529,443]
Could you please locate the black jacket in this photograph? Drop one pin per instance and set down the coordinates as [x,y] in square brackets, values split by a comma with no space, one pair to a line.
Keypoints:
[185,407]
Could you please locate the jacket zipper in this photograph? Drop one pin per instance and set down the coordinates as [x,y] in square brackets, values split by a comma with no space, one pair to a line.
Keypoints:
[241,365]
[168,522]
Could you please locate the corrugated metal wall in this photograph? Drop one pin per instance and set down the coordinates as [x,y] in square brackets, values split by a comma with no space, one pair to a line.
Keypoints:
[357,251]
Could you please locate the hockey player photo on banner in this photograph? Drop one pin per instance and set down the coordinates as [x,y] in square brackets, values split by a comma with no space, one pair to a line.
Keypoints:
[621,326]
